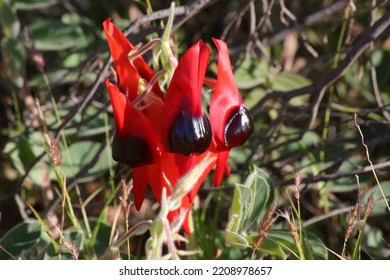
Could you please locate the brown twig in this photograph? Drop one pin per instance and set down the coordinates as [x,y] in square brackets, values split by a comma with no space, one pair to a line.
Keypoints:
[335,212]
[334,176]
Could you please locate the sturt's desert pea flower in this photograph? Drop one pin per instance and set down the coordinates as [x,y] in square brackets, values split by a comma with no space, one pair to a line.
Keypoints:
[230,120]
[185,128]
[163,136]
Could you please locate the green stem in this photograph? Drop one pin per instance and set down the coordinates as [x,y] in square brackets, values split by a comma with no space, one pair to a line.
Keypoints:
[167,55]
[17,109]
[325,132]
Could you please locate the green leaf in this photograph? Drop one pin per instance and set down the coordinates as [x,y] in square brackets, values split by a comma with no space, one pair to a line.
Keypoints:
[249,205]
[15,59]
[86,152]
[251,73]
[62,76]
[286,81]
[32,4]
[309,139]
[235,239]
[54,35]
[237,212]
[374,243]
[20,238]
[380,207]
[284,239]
[253,97]
[268,247]
[74,60]
[23,151]
[261,196]
[8,20]
[80,241]
[381,59]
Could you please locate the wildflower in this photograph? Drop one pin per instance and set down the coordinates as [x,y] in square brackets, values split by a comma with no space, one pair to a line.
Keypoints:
[230,120]
[185,128]
[163,137]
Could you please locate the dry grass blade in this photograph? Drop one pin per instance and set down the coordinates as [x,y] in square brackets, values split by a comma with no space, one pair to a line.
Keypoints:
[371,164]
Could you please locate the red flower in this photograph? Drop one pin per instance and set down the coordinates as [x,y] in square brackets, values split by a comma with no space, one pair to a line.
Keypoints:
[185,128]
[162,137]
[230,120]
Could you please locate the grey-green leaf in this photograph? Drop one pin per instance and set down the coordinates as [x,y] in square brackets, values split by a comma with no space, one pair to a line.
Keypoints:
[32,4]
[21,238]
[55,35]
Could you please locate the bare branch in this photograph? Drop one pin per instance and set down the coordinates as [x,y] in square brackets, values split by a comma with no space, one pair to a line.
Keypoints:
[352,54]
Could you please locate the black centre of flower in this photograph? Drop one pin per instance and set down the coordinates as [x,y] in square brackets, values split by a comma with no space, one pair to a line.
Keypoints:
[190,135]
[238,128]
[131,150]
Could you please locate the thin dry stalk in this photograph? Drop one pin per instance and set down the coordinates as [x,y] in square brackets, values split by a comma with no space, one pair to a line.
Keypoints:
[371,164]
[63,203]
[333,252]
[8,253]
[114,223]
[293,232]
[66,243]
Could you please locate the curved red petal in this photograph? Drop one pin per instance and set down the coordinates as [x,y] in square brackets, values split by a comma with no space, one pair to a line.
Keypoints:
[118,103]
[120,48]
[136,141]
[226,97]
[183,99]
[128,72]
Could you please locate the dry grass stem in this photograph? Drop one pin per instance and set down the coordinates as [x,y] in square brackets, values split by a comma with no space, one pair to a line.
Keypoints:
[371,164]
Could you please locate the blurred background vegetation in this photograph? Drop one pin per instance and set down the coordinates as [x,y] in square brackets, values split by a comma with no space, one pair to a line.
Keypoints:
[305,69]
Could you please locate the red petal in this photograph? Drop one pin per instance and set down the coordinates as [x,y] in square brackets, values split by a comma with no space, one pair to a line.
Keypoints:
[164,174]
[128,73]
[136,139]
[226,97]
[221,167]
[190,163]
[169,170]
[183,98]
[140,180]
[120,48]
